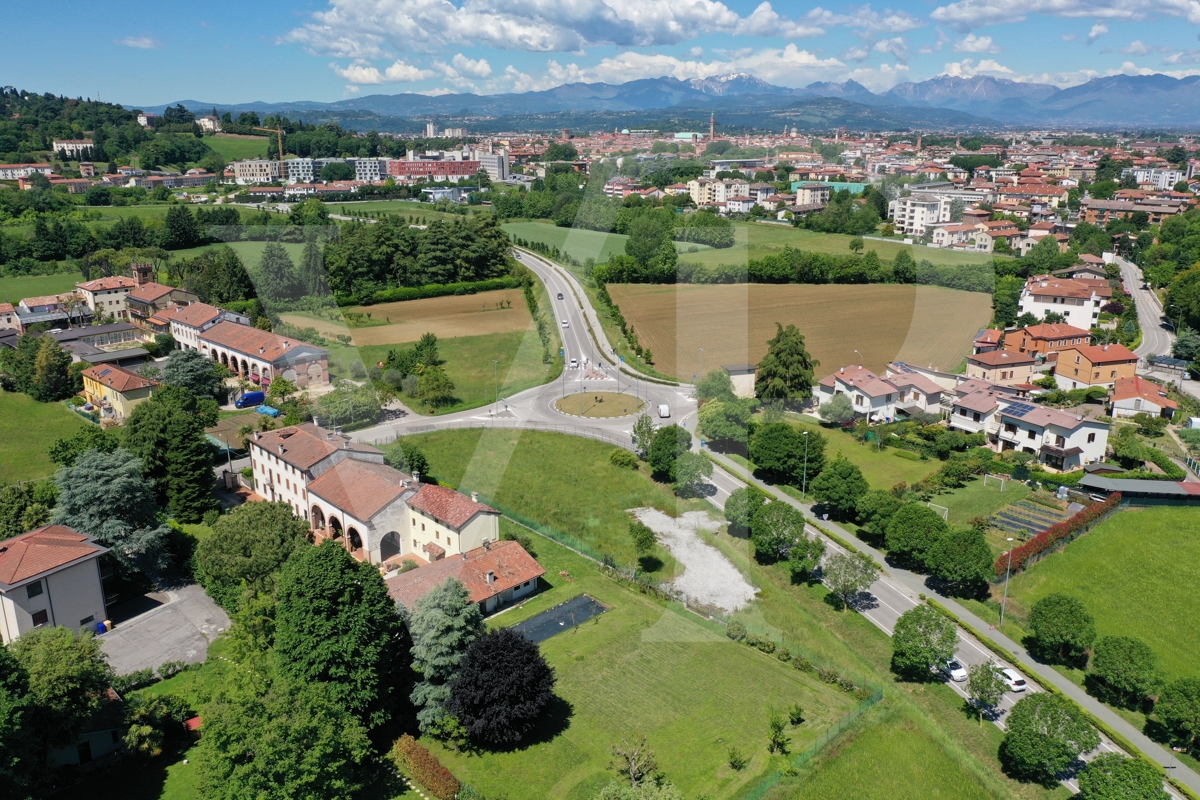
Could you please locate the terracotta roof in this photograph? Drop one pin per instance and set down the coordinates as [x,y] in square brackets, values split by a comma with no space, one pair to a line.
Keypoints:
[988,336]
[1000,358]
[111,282]
[448,506]
[6,308]
[193,315]
[1050,286]
[1102,353]
[305,445]
[1048,330]
[258,344]
[1043,417]
[40,551]
[917,381]
[47,299]
[510,565]
[118,379]
[982,402]
[1130,388]
[360,488]
[150,292]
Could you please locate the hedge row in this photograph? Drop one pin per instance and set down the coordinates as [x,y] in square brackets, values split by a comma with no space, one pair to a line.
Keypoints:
[1062,531]
[430,290]
[423,767]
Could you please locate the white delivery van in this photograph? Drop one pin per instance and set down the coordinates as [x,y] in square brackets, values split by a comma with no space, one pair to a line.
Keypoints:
[664,411]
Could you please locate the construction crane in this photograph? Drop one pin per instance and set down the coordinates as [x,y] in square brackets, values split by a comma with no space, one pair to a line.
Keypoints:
[278,132]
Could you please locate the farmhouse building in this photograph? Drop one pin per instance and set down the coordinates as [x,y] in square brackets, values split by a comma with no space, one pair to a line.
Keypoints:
[107,295]
[50,576]
[261,356]
[494,574]
[148,299]
[188,321]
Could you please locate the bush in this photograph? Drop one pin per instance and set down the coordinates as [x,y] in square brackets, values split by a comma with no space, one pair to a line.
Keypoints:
[169,669]
[736,631]
[134,680]
[796,714]
[1056,533]
[619,457]
[423,767]
[737,761]
[801,663]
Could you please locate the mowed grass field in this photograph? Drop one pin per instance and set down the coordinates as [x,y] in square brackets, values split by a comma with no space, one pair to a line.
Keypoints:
[405,207]
[564,482]
[27,429]
[637,669]
[249,252]
[14,290]
[233,147]
[732,323]
[480,314]
[1136,573]
[752,241]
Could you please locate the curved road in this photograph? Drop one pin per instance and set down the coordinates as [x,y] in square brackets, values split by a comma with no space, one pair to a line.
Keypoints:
[1156,339]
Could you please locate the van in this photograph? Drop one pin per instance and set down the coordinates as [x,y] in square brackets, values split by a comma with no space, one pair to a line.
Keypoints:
[664,411]
[250,399]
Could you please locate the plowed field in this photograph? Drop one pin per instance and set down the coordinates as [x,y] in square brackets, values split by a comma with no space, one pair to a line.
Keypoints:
[919,324]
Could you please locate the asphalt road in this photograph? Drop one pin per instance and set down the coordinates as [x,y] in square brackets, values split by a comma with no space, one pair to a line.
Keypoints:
[1156,336]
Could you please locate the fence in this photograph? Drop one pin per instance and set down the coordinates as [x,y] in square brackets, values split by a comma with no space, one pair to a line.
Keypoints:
[502,424]
[823,741]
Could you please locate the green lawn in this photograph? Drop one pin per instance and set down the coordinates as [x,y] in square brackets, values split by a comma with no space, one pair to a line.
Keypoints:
[14,290]
[976,500]
[249,252]
[560,481]
[753,241]
[890,758]
[232,149]
[641,668]
[27,429]
[1136,573]
[405,207]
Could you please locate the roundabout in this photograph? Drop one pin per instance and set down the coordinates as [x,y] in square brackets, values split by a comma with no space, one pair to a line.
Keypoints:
[599,405]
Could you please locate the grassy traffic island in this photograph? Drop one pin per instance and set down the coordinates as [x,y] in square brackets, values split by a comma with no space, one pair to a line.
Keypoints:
[600,405]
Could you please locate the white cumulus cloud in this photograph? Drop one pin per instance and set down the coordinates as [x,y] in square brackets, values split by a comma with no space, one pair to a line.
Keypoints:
[398,72]
[976,44]
[1098,30]
[965,15]
[476,68]
[967,68]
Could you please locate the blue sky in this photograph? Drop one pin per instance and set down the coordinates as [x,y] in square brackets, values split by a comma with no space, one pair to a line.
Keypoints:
[147,53]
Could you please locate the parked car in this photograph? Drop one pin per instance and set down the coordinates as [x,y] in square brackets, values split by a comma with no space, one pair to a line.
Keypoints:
[250,400]
[268,410]
[955,671]
[664,411]
[1013,680]
[566,324]
[560,297]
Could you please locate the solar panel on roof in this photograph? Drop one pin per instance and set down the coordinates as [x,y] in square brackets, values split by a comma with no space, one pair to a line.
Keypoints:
[1018,409]
[105,372]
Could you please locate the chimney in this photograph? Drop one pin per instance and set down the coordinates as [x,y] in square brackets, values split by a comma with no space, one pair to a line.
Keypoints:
[487,544]
[281,450]
[316,423]
[345,444]
[257,436]
[491,577]
[474,497]
[416,477]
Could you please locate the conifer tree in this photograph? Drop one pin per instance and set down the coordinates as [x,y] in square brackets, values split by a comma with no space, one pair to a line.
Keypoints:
[444,625]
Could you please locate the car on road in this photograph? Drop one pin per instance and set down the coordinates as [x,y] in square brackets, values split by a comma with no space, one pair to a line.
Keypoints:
[664,411]
[1013,680]
[574,363]
[560,297]
[954,670]
[566,324]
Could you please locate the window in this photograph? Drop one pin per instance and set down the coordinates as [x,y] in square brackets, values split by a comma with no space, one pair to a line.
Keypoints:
[976,416]
[1091,438]
[40,618]
[1059,441]
[414,544]
[33,589]
[86,620]
[1031,433]
[1113,374]
[437,535]
[422,526]
[1010,428]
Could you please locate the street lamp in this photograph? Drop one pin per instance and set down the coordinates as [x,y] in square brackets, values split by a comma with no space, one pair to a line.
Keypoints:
[701,363]
[804,478]
[1007,572]
[861,360]
[496,382]
[1178,319]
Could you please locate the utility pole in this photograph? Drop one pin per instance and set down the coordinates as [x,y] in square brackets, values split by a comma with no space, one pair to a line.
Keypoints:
[496,379]
[804,481]
[1007,572]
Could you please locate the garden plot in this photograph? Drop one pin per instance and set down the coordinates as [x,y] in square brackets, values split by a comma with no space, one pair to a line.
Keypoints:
[1027,516]
[708,576]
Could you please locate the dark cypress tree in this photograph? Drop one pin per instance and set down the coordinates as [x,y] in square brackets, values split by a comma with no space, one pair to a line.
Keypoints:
[189,469]
[502,688]
[313,281]
[51,380]
[276,274]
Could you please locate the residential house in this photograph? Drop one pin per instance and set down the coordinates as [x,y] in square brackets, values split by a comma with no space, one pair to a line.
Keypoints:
[1078,300]
[209,124]
[975,411]
[188,321]
[1001,366]
[1060,440]
[916,392]
[107,295]
[50,576]
[261,356]
[9,321]
[955,235]
[869,395]
[495,575]
[148,299]
[1046,339]
[987,340]
[1085,366]
[1136,395]
[115,390]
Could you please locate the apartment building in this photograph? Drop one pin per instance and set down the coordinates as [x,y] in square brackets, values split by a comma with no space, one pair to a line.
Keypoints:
[916,214]
[1003,367]
[73,149]
[1078,300]
[496,165]
[258,170]
[1083,367]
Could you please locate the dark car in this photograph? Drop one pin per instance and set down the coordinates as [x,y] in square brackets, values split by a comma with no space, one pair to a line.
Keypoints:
[560,297]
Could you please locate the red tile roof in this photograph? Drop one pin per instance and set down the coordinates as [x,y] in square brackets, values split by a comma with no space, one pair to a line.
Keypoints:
[305,445]
[1056,331]
[47,299]
[40,551]
[118,379]
[360,488]
[1102,353]
[510,565]
[193,315]
[448,506]
[1001,358]
[258,344]
[1129,388]
[150,292]
[1049,286]
[6,308]
[111,282]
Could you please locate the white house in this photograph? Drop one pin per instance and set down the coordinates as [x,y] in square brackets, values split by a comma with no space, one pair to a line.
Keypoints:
[1078,300]
[1136,395]
[869,394]
[107,295]
[189,320]
[1061,441]
[50,576]
[916,392]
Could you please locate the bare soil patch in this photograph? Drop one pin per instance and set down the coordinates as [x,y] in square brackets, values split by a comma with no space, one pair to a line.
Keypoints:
[708,576]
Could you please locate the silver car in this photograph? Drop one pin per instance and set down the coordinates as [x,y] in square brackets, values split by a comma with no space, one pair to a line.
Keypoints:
[955,671]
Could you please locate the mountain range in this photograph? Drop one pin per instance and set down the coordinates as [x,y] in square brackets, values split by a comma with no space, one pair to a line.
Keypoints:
[1113,101]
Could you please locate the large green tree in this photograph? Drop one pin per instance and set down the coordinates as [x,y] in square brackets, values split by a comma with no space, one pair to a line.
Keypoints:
[742,504]
[775,529]
[276,276]
[51,380]
[1126,668]
[296,740]
[249,544]
[962,560]
[669,443]
[14,697]
[1062,625]
[839,487]
[846,575]
[912,531]
[1178,708]
[786,454]
[715,385]
[874,511]
[90,437]
[336,625]
[1046,733]
[786,371]
[106,495]
[985,686]
[922,639]
[193,371]
[1115,776]
[444,624]
[725,423]
[167,433]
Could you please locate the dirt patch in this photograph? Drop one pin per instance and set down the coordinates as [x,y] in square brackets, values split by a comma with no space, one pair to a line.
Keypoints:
[708,576]
[919,324]
[449,317]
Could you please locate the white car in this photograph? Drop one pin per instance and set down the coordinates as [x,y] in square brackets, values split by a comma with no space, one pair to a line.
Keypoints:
[954,670]
[574,363]
[1013,680]
[566,324]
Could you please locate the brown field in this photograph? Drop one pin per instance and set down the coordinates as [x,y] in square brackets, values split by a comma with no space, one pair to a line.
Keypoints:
[448,317]
[919,324]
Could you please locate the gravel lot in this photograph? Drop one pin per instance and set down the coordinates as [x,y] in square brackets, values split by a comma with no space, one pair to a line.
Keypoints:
[708,576]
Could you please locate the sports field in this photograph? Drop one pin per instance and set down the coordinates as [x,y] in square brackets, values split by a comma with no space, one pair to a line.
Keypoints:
[732,323]
[643,669]
[27,429]
[14,290]
[1136,573]
[480,314]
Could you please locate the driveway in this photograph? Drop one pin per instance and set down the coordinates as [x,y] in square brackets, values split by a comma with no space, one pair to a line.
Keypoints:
[178,630]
